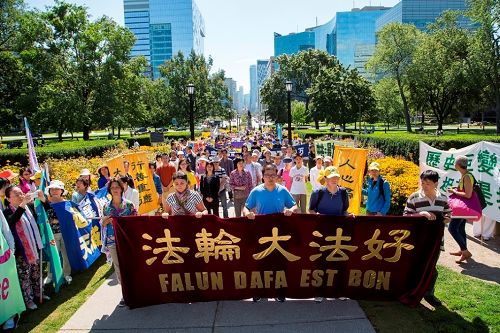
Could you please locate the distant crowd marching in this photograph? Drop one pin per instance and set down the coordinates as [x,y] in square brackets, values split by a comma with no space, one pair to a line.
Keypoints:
[260,177]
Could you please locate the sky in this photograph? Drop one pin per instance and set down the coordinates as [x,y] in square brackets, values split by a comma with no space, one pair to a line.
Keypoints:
[239,32]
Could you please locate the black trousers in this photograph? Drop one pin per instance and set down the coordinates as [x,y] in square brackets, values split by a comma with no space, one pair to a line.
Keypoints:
[212,207]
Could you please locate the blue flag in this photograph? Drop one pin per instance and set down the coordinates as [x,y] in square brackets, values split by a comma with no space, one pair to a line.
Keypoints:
[82,237]
[279,132]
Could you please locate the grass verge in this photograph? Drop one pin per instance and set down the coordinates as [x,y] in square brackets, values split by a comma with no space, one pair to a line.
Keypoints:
[471,305]
[53,314]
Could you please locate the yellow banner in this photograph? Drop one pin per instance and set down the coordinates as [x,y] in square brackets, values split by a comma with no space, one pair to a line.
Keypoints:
[143,178]
[205,135]
[351,163]
[143,181]
[115,166]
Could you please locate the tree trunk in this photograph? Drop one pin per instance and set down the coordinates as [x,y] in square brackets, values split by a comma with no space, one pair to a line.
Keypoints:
[497,111]
[113,130]
[119,132]
[406,109]
[59,135]
[86,133]
[316,124]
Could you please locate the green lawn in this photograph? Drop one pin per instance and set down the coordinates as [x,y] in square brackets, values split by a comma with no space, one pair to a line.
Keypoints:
[53,314]
[471,305]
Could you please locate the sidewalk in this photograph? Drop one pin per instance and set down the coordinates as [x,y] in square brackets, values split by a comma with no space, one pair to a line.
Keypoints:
[485,261]
[100,313]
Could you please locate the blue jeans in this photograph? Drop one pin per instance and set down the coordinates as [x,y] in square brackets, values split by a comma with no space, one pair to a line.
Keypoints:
[457,231]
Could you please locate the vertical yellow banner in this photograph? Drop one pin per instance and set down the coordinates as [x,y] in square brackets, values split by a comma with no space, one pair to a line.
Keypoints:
[115,166]
[143,181]
[351,163]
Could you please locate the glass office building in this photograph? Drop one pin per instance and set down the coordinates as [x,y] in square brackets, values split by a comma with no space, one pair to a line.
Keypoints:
[355,30]
[320,37]
[421,12]
[345,33]
[254,88]
[293,43]
[163,28]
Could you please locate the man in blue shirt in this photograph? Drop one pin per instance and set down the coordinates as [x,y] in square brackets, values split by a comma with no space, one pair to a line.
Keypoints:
[378,192]
[269,198]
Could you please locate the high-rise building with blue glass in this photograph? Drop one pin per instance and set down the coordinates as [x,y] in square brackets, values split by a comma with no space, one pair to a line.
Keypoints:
[320,37]
[355,30]
[163,28]
[349,36]
[254,88]
[421,12]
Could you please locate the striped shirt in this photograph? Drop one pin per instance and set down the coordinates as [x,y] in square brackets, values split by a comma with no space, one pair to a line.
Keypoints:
[418,202]
[189,208]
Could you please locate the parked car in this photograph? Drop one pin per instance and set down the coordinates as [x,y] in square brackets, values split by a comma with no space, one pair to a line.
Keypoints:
[162,129]
[142,130]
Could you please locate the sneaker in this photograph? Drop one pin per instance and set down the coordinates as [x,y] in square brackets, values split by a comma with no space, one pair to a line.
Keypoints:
[68,279]
[45,297]
[343,298]
[433,300]
[256,299]
[9,324]
[318,299]
[47,280]
[280,299]
[31,305]
[122,303]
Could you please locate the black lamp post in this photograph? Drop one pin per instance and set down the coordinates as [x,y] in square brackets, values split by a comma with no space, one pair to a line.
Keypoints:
[289,86]
[190,91]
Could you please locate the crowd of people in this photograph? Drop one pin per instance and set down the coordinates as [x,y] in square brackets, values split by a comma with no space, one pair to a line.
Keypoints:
[261,177]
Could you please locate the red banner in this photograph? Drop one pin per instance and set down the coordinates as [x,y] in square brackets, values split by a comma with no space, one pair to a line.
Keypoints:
[184,259]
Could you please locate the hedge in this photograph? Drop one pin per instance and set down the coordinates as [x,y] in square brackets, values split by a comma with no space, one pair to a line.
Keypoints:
[59,150]
[405,144]
[144,140]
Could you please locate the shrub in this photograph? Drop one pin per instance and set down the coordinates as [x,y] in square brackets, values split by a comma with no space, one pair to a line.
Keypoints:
[405,144]
[403,177]
[59,150]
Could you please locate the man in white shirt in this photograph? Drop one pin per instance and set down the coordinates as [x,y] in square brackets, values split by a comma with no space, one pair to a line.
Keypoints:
[131,194]
[299,176]
[314,173]
[254,169]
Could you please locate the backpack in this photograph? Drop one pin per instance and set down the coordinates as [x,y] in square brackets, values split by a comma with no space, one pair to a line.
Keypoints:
[321,193]
[380,183]
[480,195]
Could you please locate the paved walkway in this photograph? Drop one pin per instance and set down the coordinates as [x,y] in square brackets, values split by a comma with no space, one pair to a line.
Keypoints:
[485,261]
[100,313]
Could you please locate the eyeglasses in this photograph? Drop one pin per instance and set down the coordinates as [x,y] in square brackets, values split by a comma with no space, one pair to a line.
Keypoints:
[270,175]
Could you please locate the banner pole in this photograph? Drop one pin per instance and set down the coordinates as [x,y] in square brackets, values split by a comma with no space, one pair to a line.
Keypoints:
[41,278]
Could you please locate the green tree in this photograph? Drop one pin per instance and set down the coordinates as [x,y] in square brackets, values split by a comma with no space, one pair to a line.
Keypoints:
[302,69]
[210,92]
[438,75]
[485,49]
[299,114]
[86,58]
[274,96]
[393,55]
[341,96]
[389,104]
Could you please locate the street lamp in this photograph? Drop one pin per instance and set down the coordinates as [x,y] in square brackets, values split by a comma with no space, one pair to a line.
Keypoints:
[190,91]
[289,86]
